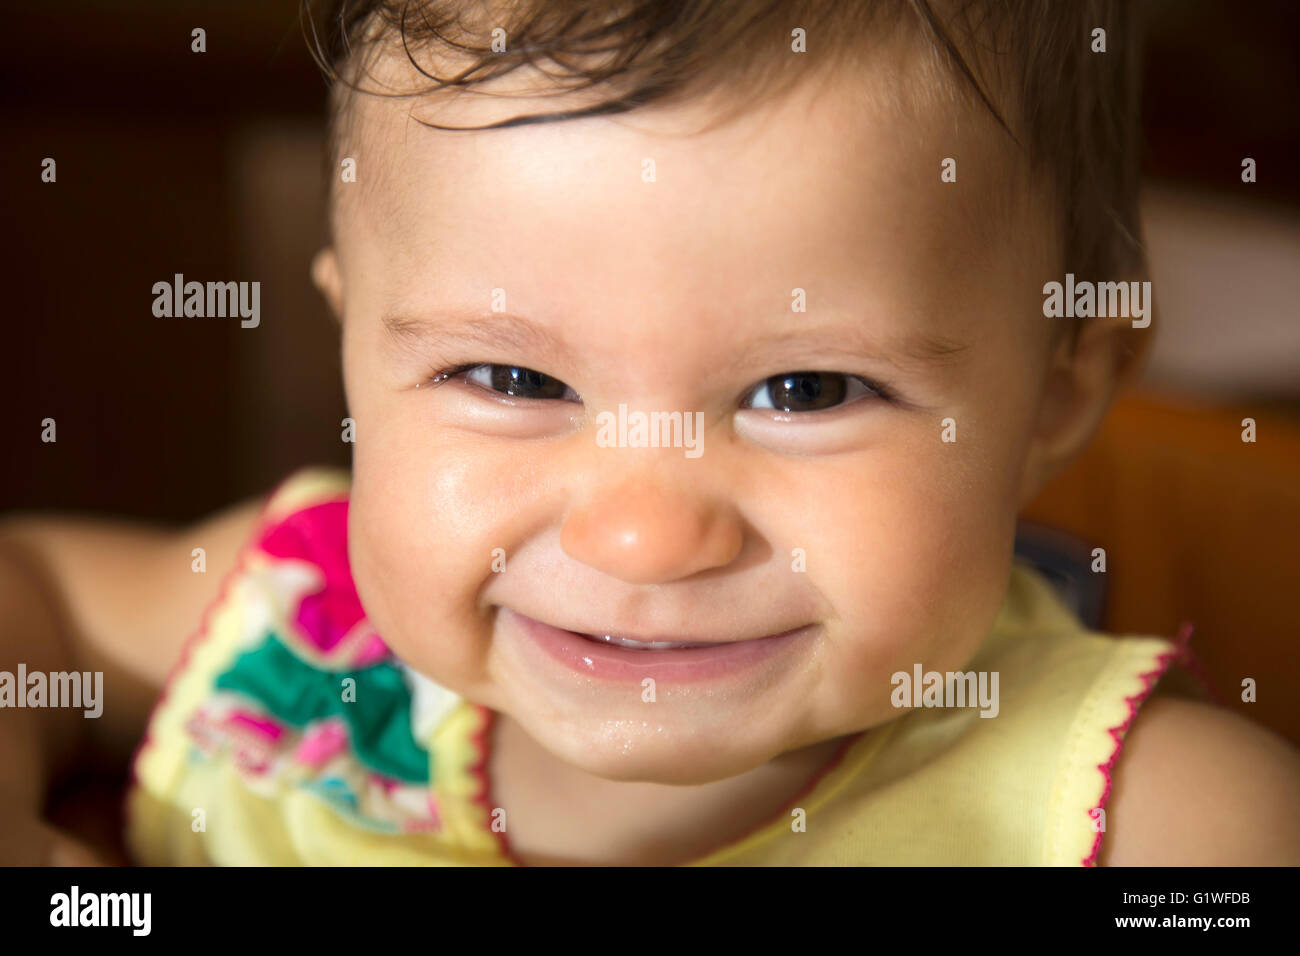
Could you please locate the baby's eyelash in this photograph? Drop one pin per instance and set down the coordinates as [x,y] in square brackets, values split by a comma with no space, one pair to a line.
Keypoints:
[886,394]
[880,393]
[440,375]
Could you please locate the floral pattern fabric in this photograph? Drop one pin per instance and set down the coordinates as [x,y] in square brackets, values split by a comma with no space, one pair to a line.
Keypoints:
[317,700]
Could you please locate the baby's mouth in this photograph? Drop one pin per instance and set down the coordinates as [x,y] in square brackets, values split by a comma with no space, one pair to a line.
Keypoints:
[663,655]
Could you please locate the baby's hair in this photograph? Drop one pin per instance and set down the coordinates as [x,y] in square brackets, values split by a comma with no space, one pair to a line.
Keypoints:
[1071,109]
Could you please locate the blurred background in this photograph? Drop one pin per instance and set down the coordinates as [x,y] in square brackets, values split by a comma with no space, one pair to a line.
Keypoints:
[210,165]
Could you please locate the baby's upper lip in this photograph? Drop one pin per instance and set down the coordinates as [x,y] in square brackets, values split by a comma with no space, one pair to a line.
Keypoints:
[703,636]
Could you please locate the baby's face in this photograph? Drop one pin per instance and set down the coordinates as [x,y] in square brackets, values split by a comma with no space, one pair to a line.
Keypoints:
[818,525]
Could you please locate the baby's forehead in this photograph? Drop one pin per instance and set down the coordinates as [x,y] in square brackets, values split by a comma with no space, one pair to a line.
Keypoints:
[846,154]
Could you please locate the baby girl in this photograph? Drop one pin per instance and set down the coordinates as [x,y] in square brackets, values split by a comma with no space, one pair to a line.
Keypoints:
[697,368]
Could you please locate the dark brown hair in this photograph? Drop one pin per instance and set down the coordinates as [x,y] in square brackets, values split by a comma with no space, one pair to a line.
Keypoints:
[1073,112]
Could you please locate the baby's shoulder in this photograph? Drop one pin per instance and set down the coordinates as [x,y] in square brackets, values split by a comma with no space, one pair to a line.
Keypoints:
[1200,785]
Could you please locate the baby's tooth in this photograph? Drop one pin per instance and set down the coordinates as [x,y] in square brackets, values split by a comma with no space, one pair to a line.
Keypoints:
[647,645]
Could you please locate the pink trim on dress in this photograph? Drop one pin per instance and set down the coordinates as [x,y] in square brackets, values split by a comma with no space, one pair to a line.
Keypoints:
[1180,654]
[479,771]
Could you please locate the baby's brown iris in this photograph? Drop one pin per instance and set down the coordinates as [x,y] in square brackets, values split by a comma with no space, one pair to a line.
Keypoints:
[806,391]
[525,383]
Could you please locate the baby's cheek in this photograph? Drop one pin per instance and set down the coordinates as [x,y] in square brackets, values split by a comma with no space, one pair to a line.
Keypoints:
[424,525]
[915,570]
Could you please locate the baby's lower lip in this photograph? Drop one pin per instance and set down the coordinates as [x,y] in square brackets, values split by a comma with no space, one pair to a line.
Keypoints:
[593,657]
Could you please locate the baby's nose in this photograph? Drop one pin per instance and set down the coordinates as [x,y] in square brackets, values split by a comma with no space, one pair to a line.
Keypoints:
[645,531]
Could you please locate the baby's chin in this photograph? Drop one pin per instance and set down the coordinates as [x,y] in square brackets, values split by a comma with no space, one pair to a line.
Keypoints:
[655,750]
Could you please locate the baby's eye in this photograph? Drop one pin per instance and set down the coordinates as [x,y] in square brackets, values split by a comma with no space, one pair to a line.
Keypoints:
[809,391]
[520,382]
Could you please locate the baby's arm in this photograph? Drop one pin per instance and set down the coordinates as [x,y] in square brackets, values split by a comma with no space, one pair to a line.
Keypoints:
[1202,786]
[83,595]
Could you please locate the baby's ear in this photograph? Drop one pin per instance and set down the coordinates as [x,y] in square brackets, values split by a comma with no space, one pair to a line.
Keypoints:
[1081,384]
[325,276]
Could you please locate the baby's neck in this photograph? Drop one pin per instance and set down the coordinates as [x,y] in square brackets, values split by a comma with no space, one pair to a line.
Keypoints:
[557,814]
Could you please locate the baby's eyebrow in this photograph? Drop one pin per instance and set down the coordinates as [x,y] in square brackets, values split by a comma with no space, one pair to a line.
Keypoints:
[916,347]
[933,348]
[517,335]
[501,330]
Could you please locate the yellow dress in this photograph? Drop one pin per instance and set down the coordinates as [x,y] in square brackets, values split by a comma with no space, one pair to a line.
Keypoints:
[289,735]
